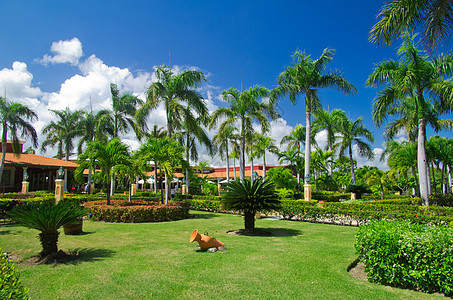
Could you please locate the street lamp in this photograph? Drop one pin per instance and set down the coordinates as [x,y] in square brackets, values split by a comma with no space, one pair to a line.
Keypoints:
[60,173]
[255,175]
[25,176]
[307,179]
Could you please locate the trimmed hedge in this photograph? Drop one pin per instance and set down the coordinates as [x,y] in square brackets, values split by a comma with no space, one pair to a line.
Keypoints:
[10,284]
[137,211]
[408,255]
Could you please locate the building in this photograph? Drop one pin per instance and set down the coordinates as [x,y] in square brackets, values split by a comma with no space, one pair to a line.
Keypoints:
[41,170]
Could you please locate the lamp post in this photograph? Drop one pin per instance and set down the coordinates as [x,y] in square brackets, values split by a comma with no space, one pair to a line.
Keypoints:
[25,183]
[59,185]
[254,175]
[307,188]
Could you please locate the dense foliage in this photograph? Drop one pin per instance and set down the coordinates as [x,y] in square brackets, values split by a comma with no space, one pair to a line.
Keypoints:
[10,284]
[408,255]
[137,211]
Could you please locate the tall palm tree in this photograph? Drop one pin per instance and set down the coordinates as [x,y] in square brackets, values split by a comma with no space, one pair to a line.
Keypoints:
[150,150]
[352,132]
[15,117]
[121,117]
[157,132]
[320,162]
[245,108]
[234,155]
[293,156]
[329,121]
[414,75]
[193,133]
[222,140]
[264,143]
[296,138]
[106,157]
[398,16]
[306,77]
[63,132]
[175,92]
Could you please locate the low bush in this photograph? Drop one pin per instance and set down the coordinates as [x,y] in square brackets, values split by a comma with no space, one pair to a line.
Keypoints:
[408,255]
[137,211]
[10,284]
[330,196]
[358,189]
[441,200]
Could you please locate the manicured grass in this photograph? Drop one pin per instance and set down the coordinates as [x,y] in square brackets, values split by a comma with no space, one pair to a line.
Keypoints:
[140,261]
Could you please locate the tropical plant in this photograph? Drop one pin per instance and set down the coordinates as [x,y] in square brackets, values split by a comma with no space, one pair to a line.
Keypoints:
[398,16]
[306,77]
[10,283]
[175,92]
[132,170]
[245,108]
[352,133]
[264,143]
[296,139]
[295,160]
[376,177]
[14,117]
[320,160]
[282,178]
[358,189]
[63,132]
[47,217]
[328,121]
[234,155]
[222,140]
[249,197]
[105,157]
[414,75]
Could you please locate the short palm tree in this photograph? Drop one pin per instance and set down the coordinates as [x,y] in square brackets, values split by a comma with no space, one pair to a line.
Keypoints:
[353,132]
[47,217]
[245,108]
[105,157]
[264,144]
[223,140]
[249,197]
[306,77]
[14,117]
[63,132]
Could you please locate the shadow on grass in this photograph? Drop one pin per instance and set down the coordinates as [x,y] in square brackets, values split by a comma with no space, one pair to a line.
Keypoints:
[90,255]
[196,215]
[2,231]
[268,232]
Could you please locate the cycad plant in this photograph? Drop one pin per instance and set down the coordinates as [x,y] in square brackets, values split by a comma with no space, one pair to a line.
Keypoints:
[47,218]
[249,197]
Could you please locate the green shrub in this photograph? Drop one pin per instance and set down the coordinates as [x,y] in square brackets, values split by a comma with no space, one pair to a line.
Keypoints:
[210,189]
[441,200]
[284,193]
[408,255]
[330,196]
[137,211]
[358,189]
[11,286]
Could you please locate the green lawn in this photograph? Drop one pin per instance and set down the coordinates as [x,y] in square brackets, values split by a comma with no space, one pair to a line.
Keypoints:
[133,261]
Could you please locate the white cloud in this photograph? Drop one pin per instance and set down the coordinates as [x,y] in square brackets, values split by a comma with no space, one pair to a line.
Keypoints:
[68,51]
[376,162]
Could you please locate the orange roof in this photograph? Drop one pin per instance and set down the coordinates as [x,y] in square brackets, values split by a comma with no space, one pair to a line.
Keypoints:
[32,160]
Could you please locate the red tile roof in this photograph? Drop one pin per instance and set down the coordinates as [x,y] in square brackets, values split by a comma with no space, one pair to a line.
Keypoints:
[32,160]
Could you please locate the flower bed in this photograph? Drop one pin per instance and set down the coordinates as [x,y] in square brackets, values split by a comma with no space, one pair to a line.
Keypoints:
[137,211]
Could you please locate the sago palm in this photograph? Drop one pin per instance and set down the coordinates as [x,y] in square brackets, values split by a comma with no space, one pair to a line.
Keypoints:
[47,218]
[249,197]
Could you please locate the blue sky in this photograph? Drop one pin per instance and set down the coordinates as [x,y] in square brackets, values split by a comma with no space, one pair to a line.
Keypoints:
[122,41]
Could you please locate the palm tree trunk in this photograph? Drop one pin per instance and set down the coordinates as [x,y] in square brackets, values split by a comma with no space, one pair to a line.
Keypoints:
[434,179]
[352,165]
[417,186]
[249,221]
[264,165]
[166,188]
[330,163]
[4,144]
[49,242]
[109,182]
[169,128]
[307,140]
[443,186]
[242,159]
[90,171]
[421,161]
[449,179]
[251,168]
[187,170]
[228,165]
[155,176]
[234,168]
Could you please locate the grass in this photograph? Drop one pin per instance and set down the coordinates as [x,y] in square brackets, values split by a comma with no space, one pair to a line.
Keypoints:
[141,261]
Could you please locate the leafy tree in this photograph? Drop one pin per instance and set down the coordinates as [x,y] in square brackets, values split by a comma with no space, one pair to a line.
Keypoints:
[234,155]
[352,133]
[398,16]
[320,162]
[105,157]
[296,138]
[14,117]
[47,217]
[376,177]
[245,108]
[175,92]
[282,178]
[249,197]
[414,75]
[306,77]
[358,189]
[63,132]
[294,158]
